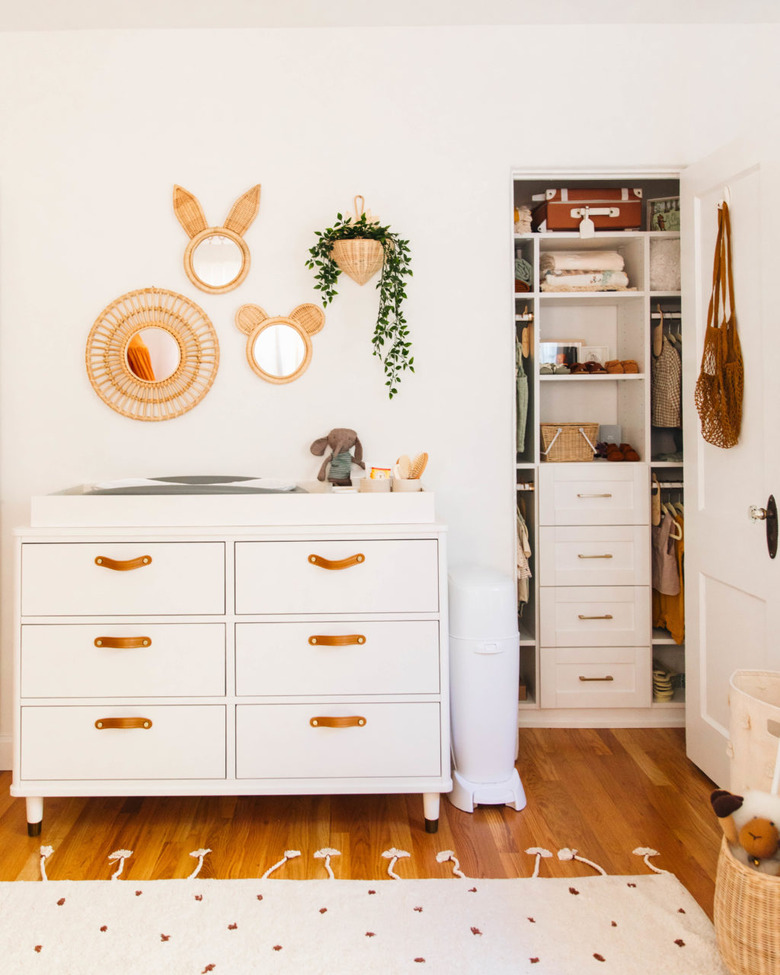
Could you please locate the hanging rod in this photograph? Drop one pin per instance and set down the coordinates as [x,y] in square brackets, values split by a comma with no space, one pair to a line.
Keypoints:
[525,486]
[670,314]
[670,484]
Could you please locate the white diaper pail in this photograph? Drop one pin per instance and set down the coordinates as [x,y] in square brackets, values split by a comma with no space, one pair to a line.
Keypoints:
[484,675]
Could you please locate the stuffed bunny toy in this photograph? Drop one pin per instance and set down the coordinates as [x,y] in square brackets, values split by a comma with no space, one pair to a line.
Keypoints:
[341,441]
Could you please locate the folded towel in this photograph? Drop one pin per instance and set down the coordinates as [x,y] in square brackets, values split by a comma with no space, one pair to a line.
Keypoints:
[581,261]
[585,281]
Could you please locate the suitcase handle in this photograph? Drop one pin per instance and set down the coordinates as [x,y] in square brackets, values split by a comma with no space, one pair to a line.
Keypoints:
[579,213]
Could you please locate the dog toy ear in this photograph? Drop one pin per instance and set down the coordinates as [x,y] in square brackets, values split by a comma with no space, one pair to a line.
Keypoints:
[725,803]
[243,211]
[188,211]
[248,317]
[318,447]
[309,317]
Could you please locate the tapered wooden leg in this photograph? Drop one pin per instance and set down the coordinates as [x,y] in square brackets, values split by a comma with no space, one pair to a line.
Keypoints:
[34,815]
[431,801]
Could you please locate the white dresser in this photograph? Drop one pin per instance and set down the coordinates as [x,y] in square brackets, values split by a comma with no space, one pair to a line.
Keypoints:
[304,651]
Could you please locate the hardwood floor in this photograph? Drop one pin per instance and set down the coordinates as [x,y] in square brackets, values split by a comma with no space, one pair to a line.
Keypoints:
[602,792]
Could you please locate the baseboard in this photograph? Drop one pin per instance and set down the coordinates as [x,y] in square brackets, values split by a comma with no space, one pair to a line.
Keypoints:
[6,752]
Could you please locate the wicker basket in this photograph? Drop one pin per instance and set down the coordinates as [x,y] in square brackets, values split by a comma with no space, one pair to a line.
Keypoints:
[565,442]
[359,258]
[747,917]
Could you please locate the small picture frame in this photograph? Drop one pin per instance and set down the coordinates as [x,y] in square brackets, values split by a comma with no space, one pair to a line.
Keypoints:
[663,213]
[561,353]
[594,353]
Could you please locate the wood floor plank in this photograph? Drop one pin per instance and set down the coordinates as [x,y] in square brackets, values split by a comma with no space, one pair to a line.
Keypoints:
[602,792]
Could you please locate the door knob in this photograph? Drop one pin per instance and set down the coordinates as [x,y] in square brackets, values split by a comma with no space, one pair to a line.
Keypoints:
[769,515]
[757,513]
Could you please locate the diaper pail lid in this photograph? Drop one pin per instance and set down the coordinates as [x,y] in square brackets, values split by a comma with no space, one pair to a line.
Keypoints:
[483,603]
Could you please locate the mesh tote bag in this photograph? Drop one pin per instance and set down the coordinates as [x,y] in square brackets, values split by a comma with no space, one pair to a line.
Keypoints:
[721,378]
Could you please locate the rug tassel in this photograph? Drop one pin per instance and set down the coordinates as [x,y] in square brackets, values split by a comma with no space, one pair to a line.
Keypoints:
[646,852]
[538,852]
[325,854]
[566,854]
[394,856]
[46,851]
[120,855]
[200,854]
[288,855]
[446,855]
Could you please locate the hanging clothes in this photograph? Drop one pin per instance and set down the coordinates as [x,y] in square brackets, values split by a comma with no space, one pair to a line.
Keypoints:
[666,576]
[521,380]
[666,399]
[523,565]
[669,610]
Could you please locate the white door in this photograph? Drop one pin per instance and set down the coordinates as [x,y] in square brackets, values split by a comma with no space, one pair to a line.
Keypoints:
[732,587]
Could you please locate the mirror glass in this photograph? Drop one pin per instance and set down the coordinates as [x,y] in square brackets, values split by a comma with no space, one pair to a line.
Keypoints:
[217,260]
[153,354]
[279,350]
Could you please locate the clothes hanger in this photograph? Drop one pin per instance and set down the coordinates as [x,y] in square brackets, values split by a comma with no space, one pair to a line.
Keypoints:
[658,334]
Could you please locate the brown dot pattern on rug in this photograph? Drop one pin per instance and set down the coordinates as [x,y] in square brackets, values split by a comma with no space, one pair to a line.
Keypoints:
[165,937]
[277,947]
[475,931]
[60,902]
[259,897]
[198,897]
[472,890]
[680,910]
[419,959]
[39,948]
[372,891]
[630,885]
[534,961]
[614,924]
[232,927]
[370,934]
[104,927]
[573,890]
[532,920]
[599,957]
[419,910]
[323,910]
[138,893]
[679,942]
[208,968]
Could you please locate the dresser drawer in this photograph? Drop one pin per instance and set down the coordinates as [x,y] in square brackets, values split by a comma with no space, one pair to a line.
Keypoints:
[594,494]
[613,677]
[122,660]
[593,616]
[179,578]
[183,742]
[278,741]
[374,576]
[337,658]
[603,556]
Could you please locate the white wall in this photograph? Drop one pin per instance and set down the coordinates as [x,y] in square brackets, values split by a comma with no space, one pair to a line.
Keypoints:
[96,127]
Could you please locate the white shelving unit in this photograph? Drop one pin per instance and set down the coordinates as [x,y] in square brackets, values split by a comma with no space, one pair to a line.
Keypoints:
[621,322]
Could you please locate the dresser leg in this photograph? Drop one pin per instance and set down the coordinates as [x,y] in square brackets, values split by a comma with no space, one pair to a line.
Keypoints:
[431,802]
[34,815]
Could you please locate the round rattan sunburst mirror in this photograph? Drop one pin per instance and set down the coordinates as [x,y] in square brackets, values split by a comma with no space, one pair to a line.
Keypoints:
[152,354]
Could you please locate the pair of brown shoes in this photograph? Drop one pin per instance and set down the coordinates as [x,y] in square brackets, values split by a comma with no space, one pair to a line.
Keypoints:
[587,368]
[617,366]
[623,452]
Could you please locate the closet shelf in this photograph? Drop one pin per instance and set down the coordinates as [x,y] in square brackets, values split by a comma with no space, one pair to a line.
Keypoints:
[593,377]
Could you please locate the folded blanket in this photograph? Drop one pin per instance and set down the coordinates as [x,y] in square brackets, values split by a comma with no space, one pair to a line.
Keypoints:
[581,261]
[585,281]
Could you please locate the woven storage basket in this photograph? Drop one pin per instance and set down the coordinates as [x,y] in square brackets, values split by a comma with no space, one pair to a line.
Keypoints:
[747,917]
[564,442]
[359,258]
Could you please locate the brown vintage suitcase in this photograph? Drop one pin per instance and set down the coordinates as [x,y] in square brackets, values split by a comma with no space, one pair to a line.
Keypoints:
[562,209]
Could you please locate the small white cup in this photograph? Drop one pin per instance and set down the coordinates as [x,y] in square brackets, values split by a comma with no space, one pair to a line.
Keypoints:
[407,484]
[374,485]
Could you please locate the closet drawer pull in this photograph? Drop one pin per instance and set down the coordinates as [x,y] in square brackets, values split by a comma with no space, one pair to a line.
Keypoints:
[606,616]
[594,495]
[122,565]
[102,723]
[353,721]
[608,677]
[338,563]
[123,642]
[349,640]
[594,556]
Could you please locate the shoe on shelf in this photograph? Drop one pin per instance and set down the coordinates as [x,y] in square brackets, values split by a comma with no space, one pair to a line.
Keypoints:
[614,366]
[594,367]
[614,452]
[580,368]
[630,366]
[628,452]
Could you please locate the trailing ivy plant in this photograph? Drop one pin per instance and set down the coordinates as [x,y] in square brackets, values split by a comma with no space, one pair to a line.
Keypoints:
[391,335]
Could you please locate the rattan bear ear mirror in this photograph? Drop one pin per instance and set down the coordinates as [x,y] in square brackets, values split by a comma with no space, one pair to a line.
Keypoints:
[216,258]
[279,348]
[152,354]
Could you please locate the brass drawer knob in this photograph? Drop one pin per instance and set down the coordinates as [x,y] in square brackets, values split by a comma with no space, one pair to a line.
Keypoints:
[606,616]
[102,723]
[607,678]
[338,563]
[123,642]
[122,565]
[348,640]
[353,721]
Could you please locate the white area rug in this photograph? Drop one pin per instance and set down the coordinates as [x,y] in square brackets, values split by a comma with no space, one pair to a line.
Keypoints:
[619,925]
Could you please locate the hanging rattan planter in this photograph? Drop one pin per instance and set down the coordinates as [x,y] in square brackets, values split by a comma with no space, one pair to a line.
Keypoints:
[359,258]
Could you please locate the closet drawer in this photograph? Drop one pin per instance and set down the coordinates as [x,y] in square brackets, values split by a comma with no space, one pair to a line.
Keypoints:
[357,576]
[591,616]
[396,740]
[179,578]
[616,677]
[603,556]
[183,742]
[129,660]
[594,494]
[337,658]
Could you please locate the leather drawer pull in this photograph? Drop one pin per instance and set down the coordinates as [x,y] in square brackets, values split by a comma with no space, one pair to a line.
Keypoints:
[608,677]
[102,723]
[594,556]
[124,565]
[339,563]
[348,640]
[123,642]
[353,721]
[606,616]
[594,495]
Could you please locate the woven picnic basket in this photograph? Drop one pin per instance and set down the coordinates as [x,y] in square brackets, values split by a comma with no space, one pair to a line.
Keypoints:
[747,916]
[566,442]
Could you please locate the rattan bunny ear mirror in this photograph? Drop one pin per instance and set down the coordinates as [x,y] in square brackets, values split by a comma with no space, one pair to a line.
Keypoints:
[217,258]
[152,355]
